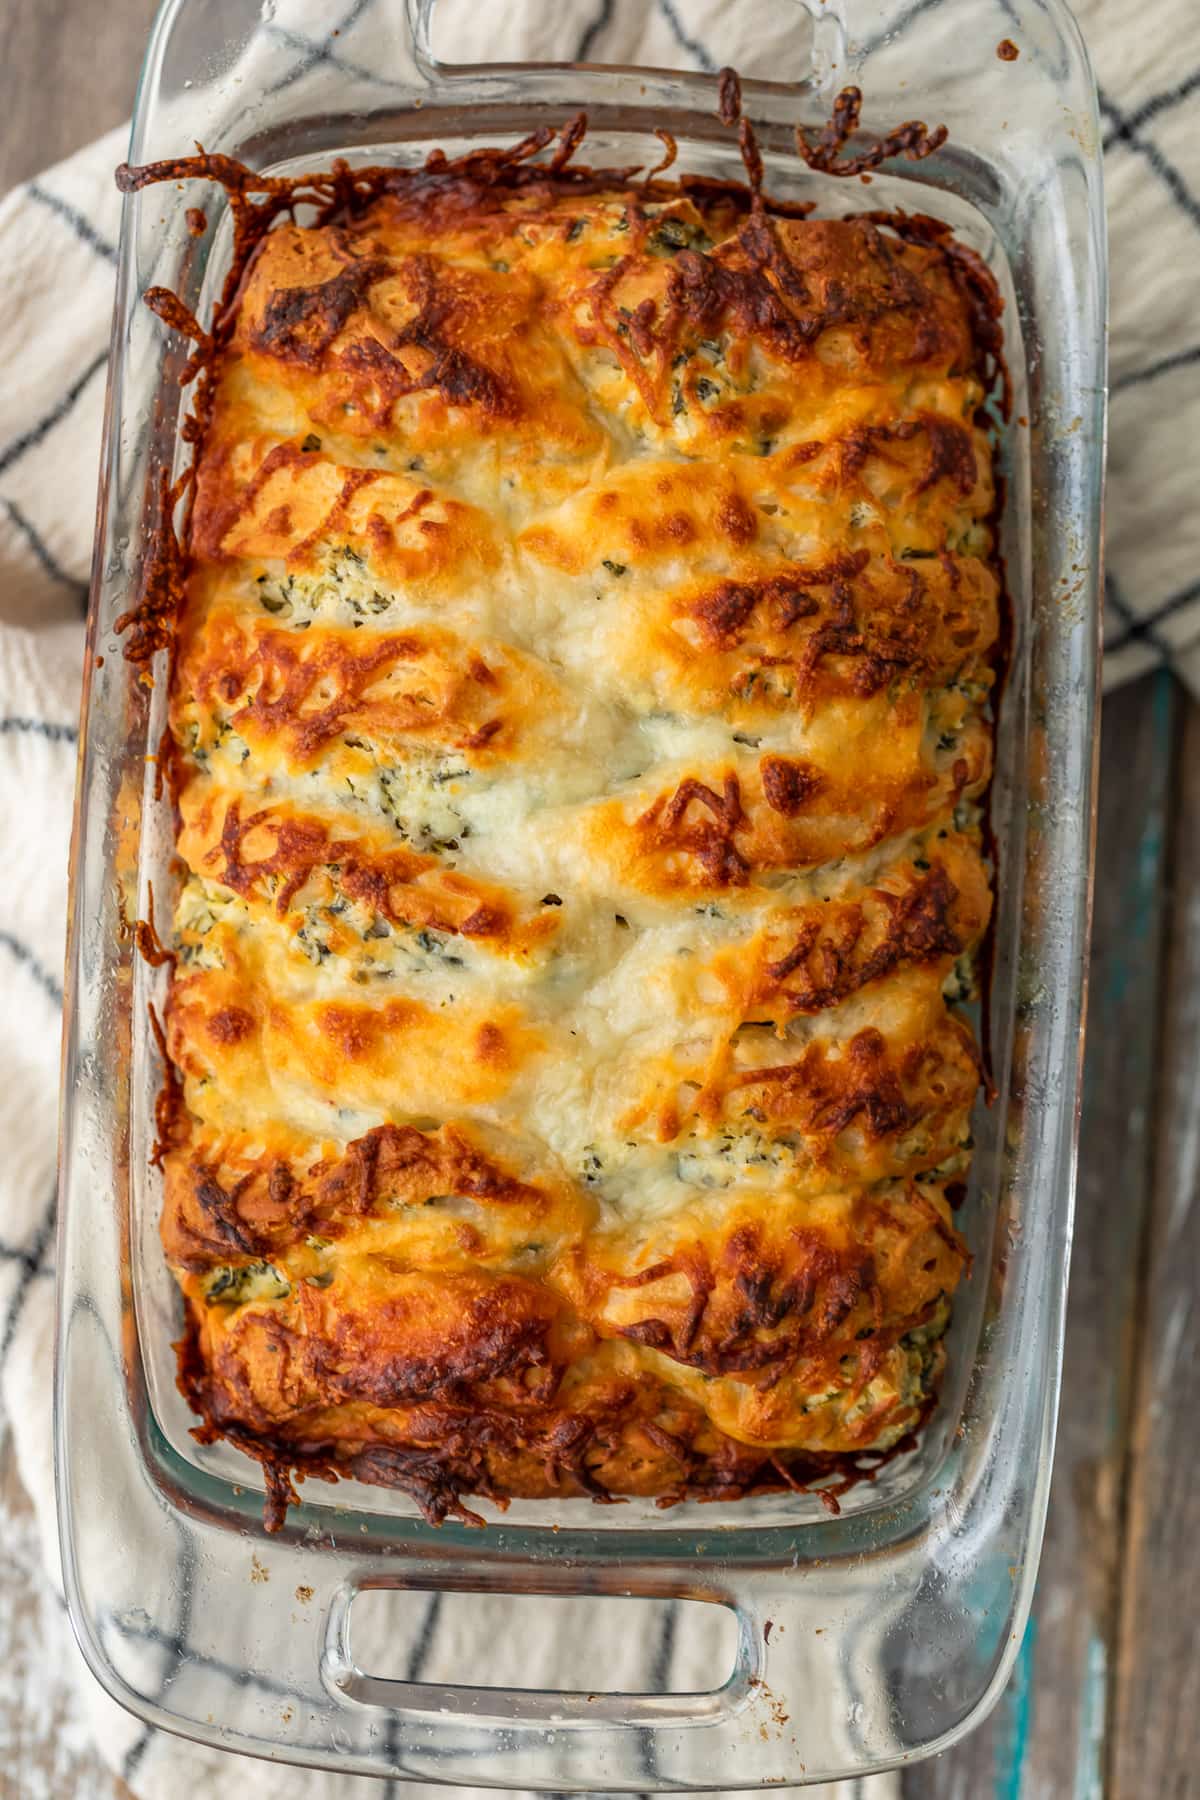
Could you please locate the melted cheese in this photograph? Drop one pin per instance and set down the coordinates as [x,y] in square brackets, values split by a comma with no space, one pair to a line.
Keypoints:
[580,701]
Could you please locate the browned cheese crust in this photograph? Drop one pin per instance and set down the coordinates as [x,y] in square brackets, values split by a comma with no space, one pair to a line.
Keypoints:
[580,707]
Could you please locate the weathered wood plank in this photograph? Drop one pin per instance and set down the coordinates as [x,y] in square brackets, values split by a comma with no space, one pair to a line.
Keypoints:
[1157,1698]
[65,77]
[1049,1736]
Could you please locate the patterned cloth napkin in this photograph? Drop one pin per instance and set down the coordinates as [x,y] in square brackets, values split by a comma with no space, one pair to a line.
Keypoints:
[58,244]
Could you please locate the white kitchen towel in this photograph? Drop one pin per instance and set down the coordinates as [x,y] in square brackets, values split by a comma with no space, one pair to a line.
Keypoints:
[58,250]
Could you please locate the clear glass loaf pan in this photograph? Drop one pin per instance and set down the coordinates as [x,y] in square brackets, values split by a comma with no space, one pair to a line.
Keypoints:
[892,1627]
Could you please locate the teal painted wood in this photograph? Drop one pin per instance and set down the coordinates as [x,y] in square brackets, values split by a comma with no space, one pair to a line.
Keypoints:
[1012,1736]
[1050,1736]
[1157,1689]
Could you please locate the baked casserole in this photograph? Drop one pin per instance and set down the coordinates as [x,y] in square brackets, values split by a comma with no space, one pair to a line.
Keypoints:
[580,714]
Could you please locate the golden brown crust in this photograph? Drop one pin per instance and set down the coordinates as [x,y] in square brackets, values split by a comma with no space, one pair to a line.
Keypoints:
[579,704]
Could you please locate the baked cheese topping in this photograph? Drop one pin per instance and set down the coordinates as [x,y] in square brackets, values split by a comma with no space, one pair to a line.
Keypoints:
[580,708]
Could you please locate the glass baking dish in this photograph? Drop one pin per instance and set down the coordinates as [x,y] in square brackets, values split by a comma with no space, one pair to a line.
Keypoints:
[864,1640]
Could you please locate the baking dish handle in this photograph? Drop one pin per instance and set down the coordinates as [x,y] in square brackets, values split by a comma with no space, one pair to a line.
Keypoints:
[817,44]
[420,28]
[570,1741]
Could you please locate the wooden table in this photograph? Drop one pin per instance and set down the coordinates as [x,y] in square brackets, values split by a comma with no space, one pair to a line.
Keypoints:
[1104,1698]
